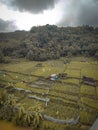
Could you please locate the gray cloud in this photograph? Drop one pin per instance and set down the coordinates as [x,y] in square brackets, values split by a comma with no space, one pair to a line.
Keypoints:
[80,12]
[74,12]
[34,6]
[7,26]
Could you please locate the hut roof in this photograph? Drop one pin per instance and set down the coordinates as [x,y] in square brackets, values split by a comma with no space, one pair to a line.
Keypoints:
[88,79]
[53,75]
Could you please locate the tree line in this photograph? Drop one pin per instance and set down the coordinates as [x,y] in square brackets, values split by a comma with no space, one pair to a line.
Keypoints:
[50,42]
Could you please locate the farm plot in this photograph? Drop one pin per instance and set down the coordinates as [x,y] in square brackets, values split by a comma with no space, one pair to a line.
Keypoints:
[63,99]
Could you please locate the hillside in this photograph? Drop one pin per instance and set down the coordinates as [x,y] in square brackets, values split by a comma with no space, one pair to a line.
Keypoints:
[50,42]
[60,93]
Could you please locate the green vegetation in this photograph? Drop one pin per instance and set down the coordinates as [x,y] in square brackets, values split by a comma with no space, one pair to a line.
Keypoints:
[28,59]
[50,42]
[69,97]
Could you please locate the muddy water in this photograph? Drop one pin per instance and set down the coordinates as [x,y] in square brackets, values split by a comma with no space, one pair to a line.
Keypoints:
[9,126]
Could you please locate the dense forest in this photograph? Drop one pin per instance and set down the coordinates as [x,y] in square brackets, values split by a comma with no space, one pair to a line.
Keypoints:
[50,42]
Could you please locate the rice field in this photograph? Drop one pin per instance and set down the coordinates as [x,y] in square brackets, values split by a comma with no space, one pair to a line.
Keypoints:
[69,97]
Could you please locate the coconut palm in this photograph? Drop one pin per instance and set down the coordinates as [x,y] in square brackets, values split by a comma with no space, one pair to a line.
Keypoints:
[38,116]
[28,117]
[19,115]
[37,119]
[21,110]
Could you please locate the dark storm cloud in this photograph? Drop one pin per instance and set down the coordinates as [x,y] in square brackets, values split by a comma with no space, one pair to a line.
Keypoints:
[7,26]
[80,12]
[34,6]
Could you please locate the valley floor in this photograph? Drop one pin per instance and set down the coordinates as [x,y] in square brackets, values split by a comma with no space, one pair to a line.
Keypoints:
[64,99]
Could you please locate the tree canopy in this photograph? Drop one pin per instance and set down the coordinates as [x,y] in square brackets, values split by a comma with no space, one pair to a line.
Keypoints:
[50,42]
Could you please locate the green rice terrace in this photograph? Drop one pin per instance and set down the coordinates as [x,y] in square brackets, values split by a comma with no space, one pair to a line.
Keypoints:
[50,95]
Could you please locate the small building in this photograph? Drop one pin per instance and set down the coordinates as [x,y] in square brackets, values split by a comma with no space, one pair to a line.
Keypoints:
[95,125]
[62,75]
[88,81]
[54,77]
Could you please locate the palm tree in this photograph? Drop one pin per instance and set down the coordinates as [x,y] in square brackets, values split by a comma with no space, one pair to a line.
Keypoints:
[37,119]
[19,118]
[21,110]
[28,117]
[38,115]
[3,97]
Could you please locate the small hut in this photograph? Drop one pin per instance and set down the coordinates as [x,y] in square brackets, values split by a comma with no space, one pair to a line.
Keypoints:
[54,77]
[62,75]
[88,81]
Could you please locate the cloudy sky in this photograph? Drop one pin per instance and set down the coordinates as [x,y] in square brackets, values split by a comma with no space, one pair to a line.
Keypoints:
[23,14]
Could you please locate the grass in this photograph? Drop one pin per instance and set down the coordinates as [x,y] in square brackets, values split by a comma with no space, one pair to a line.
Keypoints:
[90,102]
[66,95]
[85,89]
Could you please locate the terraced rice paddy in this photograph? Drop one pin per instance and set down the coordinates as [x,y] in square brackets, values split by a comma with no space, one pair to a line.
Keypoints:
[68,98]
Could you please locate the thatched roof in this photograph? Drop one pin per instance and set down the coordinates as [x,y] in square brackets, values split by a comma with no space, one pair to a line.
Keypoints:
[88,79]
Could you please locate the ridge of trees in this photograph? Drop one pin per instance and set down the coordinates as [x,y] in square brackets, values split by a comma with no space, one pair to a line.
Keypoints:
[50,42]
